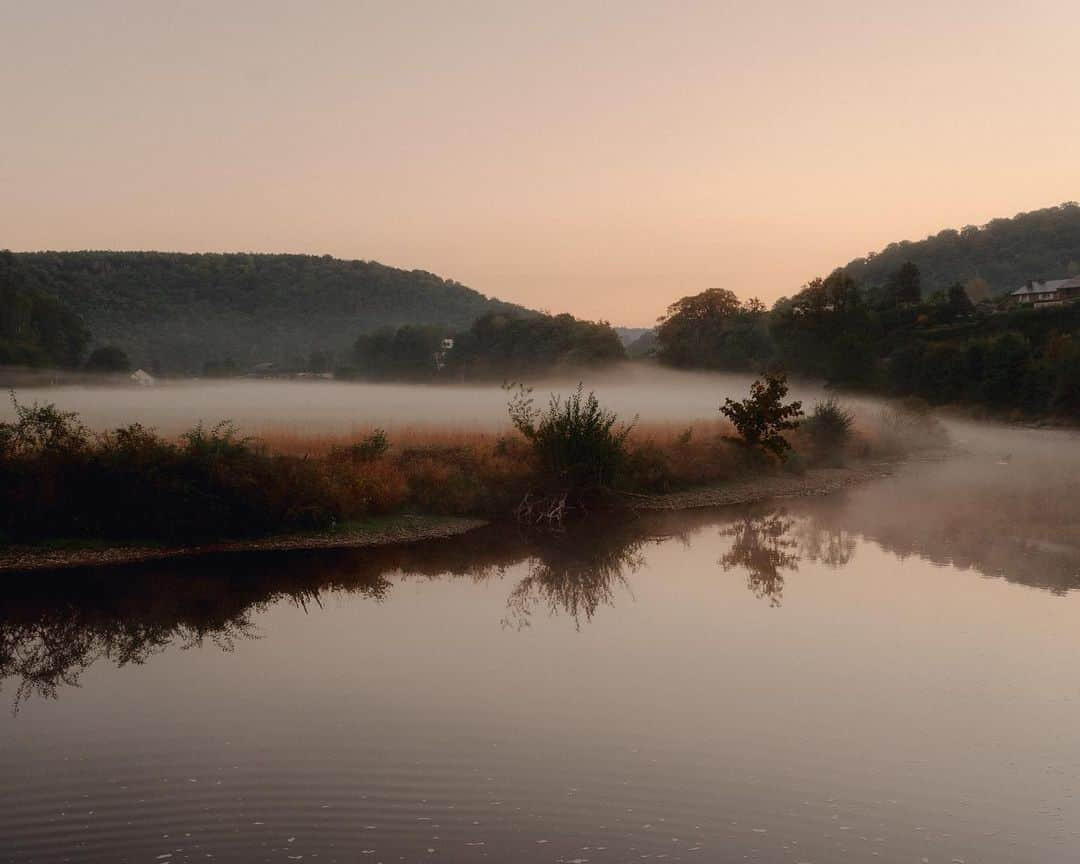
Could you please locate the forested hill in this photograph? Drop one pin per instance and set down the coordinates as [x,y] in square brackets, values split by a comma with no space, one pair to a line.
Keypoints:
[1005,253]
[179,312]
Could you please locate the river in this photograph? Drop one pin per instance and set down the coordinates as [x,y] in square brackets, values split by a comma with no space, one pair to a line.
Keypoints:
[886,674]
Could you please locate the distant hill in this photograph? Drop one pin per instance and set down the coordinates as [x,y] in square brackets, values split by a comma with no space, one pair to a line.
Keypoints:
[629,335]
[177,312]
[644,346]
[1005,253]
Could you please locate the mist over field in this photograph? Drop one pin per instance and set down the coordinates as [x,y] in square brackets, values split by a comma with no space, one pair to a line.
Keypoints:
[655,395]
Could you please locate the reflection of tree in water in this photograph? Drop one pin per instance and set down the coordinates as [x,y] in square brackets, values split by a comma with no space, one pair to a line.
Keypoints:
[762,545]
[53,651]
[53,627]
[575,573]
[821,544]
[128,616]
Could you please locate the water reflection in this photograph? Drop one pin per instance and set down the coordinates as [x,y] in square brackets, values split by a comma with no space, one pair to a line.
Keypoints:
[764,547]
[54,626]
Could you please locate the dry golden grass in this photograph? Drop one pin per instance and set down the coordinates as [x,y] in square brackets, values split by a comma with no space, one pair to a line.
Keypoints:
[482,471]
[292,442]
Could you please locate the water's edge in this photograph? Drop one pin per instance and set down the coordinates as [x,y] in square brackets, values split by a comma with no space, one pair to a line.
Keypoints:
[409,529]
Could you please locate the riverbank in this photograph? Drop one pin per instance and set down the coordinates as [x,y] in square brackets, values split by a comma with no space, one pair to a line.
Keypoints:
[375,532]
[816,481]
[406,529]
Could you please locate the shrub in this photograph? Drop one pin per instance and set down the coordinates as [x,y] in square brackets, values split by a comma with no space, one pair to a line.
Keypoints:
[370,447]
[575,442]
[762,417]
[58,481]
[40,429]
[828,430]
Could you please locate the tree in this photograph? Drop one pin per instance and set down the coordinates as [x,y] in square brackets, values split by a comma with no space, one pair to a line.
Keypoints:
[907,283]
[1006,367]
[959,303]
[108,358]
[762,417]
[714,330]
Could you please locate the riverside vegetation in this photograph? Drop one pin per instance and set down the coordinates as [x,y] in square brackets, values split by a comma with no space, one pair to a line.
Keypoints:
[59,481]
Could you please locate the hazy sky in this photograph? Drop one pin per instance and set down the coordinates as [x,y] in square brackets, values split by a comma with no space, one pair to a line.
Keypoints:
[600,158]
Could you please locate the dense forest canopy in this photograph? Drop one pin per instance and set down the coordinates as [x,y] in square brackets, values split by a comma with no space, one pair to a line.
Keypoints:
[186,312]
[1004,254]
[36,329]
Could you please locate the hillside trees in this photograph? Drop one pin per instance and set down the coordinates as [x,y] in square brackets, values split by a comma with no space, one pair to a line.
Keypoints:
[180,312]
[35,328]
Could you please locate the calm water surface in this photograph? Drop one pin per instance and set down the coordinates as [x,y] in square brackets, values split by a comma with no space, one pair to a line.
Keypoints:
[891,675]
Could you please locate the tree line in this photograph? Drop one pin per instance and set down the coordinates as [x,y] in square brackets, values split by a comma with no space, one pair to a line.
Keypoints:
[892,338]
[494,346]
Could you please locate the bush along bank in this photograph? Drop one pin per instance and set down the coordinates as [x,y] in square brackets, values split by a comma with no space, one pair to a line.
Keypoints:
[59,481]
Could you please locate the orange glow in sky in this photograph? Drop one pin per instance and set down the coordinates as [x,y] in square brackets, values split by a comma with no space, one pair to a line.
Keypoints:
[597,158]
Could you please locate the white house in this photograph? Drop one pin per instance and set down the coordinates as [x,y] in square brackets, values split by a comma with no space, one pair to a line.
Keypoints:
[142,378]
[1049,292]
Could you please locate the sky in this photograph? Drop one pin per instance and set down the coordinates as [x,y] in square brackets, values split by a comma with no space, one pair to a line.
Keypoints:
[597,158]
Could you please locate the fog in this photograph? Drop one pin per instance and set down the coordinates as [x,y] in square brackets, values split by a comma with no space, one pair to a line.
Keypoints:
[987,454]
[656,395]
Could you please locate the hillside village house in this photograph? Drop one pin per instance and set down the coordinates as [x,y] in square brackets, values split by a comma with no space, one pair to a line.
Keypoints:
[1048,293]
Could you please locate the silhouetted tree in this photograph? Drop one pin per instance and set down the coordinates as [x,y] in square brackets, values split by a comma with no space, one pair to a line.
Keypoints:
[762,418]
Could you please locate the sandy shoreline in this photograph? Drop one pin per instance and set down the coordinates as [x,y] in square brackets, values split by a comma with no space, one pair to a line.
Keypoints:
[413,529]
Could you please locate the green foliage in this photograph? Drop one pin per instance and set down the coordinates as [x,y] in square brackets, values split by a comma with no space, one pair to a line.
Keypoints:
[828,429]
[495,346]
[940,349]
[1007,364]
[108,358]
[575,442]
[36,329]
[40,430]
[177,312]
[505,345]
[715,331]
[906,283]
[761,418]
[1065,366]
[408,353]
